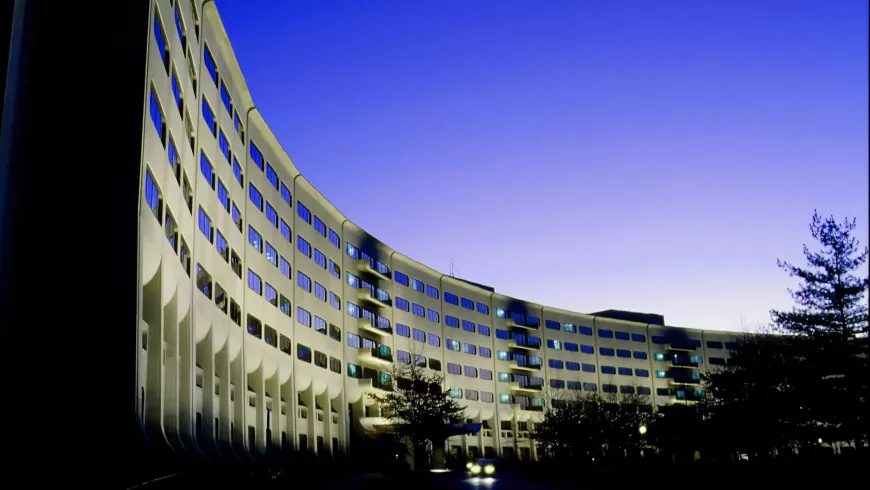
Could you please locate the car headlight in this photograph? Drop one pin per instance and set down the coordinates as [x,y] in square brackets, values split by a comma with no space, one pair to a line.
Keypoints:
[475,469]
[468,465]
[489,469]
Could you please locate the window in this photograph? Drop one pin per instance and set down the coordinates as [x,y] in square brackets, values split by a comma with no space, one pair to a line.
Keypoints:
[662,374]
[271,254]
[254,282]
[587,349]
[454,392]
[623,353]
[222,248]
[237,171]
[403,357]
[303,212]
[284,267]
[184,255]
[160,38]
[639,355]
[303,281]
[621,335]
[319,291]
[643,390]
[334,332]
[572,366]
[469,349]
[419,335]
[608,388]
[454,368]
[285,230]
[434,364]
[418,310]
[553,325]
[220,297]
[485,352]
[256,197]
[658,356]
[285,194]
[303,353]
[712,344]
[303,316]
[319,258]
[203,281]
[210,65]
[483,330]
[555,364]
[451,321]
[254,239]
[605,334]
[502,334]
[284,305]
[731,345]
[404,330]
[271,175]
[569,327]
[208,118]
[271,215]
[334,301]
[482,308]
[319,226]
[333,269]
[402,304]
[401,278]
[638,337]
[157,116]
[153,196]
[470,371]
[486,396]
[319,325]
[354,371]
[431,291]
[224,145]
[606,351]
[584,330]
[433,339]
[451,298]
[471,394]
[643,373]
[205,225]
[468,326]
[303,246]
[335,367]
[624,371]
[571,347]
[334,239]
[255,327]
[554,344]
[171,231]
[626,390]
[271,295]
[587,368]
[716,361]
[225,97]
[557,383]
[485,374]
[452,344]
[466,303]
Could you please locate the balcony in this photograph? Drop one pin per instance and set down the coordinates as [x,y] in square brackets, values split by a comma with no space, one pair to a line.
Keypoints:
[525,346]
[688,378]
[376,356]
[511,323]
[370,384]
[525,366]
[526,387]
[365,266]
[369,325]
[366,295]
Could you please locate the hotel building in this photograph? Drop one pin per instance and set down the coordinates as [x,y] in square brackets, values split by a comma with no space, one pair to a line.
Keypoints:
[265,315]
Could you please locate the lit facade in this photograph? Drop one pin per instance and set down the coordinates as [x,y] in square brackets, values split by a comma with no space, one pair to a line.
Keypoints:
[265,315]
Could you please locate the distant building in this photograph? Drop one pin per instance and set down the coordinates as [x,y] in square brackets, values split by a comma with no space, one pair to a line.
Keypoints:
[265,315]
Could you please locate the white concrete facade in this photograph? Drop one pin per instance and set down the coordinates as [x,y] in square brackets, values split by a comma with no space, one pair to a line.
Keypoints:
[224,369]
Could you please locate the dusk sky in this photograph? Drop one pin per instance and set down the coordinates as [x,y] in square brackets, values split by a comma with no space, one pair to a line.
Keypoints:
[654,156]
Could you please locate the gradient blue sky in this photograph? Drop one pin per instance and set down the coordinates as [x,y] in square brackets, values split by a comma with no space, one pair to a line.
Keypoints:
[651,156]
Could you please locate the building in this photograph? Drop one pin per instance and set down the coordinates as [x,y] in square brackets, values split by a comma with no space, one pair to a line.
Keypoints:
[264,315]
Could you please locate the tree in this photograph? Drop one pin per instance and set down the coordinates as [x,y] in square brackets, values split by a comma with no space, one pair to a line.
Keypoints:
[832,314]
[421,411]
[580,426]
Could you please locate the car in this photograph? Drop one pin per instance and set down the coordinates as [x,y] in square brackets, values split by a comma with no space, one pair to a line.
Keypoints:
[481,467]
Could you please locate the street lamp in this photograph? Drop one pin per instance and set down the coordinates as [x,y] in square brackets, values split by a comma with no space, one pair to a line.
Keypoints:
[642,429]
[820,440]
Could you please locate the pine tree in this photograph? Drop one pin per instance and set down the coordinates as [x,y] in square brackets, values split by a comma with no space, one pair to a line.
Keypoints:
[830,301]
[831,317]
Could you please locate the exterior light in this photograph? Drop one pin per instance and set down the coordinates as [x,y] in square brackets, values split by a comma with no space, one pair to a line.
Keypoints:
[468,465]
[475,469]
[820,440]
[489,469]
[642,429]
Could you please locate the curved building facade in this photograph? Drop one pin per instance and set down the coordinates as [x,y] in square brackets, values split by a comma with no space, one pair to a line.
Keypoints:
[266,315]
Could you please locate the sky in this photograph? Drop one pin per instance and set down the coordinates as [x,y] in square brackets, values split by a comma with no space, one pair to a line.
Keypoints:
[586,155]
